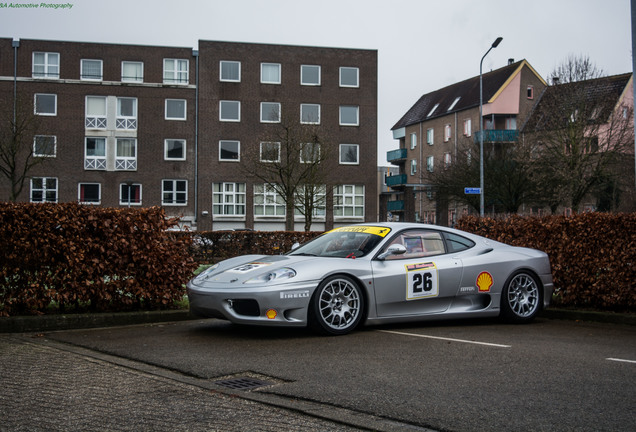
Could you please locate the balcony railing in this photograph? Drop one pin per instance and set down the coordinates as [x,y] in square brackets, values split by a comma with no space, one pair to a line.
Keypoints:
[498,135]
[396,155]
[396,180]
[395,205]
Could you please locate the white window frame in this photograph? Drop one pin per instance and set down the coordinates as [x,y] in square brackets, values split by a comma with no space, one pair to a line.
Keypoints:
[124,121]
[413,141]
[224,62]
[276,144]
[347,107]
[126,163]
[129,188]
[343,152]
[83,73]
[238,153]
[468,125]
[430,163]
[36,147]
[413,166]
[303,78]
[266,197]
[50,66]
[135,64]
[45,190]
[275,108]
[229,119]
[313,148]
[305,106]
[95,162]
[267,80]
[430,136]
[447,160]
[174,72]
[357,71]
[348,201]
[447,132]
[96,120]
[173,201]
[185,109]
[319,193]
[229,199]
[35,105]
[167,141]
[99,193]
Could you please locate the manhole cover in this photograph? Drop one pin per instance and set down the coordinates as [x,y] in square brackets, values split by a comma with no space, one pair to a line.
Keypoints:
[243,383]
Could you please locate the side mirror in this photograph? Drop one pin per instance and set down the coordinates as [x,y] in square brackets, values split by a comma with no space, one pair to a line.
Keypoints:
[394,249]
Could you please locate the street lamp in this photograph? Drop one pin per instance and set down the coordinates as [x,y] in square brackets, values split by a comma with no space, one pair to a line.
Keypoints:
[481,129]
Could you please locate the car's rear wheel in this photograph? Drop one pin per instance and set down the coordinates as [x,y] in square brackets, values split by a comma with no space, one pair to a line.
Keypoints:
[337,306]
[521,298]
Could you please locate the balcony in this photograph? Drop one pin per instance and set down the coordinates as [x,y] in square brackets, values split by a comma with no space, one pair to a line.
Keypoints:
[396,180]
[498,135]
[394,206]
[398,155]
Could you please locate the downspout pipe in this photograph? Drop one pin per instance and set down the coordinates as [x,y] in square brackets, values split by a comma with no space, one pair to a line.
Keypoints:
[15,44]
[195,53]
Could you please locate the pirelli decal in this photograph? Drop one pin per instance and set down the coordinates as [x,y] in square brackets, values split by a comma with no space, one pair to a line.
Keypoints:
[421,281]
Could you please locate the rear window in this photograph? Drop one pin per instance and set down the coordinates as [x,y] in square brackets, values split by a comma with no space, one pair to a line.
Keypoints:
[457,243]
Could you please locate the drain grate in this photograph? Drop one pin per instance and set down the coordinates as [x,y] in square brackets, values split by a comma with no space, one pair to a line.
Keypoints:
[243,383]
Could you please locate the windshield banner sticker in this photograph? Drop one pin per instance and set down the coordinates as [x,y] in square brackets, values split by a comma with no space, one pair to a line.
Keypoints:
[376,230]
[421,281]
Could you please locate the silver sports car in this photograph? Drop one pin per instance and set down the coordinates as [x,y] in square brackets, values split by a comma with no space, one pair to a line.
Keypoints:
[377,273]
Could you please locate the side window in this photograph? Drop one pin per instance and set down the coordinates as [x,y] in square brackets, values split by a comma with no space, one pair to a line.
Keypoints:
[457,243]
[418,243]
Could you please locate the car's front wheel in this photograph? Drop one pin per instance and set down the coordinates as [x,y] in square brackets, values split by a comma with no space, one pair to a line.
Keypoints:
[337,306]
[521,298]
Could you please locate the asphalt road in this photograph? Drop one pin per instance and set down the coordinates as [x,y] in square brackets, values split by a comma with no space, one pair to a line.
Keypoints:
[481,375]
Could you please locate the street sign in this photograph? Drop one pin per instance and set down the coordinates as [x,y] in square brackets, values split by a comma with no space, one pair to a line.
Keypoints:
[472,191]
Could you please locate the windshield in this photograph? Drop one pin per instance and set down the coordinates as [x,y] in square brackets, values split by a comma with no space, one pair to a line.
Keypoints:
[346,242]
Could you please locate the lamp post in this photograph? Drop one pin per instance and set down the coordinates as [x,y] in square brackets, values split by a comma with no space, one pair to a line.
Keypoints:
[481,129]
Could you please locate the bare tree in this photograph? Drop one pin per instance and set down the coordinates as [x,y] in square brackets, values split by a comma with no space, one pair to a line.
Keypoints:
[575,69]
[18,129]
[294,159]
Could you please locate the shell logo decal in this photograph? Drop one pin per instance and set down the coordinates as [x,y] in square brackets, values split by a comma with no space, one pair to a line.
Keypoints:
[484,281]
[271,314]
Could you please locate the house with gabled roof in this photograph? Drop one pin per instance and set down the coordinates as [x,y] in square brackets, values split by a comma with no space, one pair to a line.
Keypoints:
[432,132]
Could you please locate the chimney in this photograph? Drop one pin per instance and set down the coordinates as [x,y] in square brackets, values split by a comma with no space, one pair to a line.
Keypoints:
[511,61]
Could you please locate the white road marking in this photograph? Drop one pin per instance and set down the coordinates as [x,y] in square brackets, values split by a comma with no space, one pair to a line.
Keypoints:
[621,360]
[446,339]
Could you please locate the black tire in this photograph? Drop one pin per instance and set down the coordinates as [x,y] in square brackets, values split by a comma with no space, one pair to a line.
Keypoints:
[337,306]
[521,298]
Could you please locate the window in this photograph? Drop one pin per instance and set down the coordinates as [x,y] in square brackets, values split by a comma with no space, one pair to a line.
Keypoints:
[175,71]
[310,113]
[418,243]
[270,112]
[45,104]
[90,193]
[270,73]
[348,201]
[430,163]
[267,202]
[314,196]
[430,136]
[44,145]
[46,65]
[130,194]
[447,133]
[270,152]
[309,153]
[95,154]
[176,109]
[432,110]
[413,166]
[126,114]
[530,92]
[91,70]
[132,71]
[230,151]
[349,154]
[175,149]
[457,243]
[511,123]
[310,75]
[228,199]
[230,111]
[447,160]
[454,103]
[349,77]
[174,192]
[95,112]
[467,127]
[126,154]
[230,71]
[349,115]
[413,141]
[44,189]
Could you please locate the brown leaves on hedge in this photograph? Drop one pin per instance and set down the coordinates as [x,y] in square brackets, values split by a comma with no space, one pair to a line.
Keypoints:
[593,255]
[79,256]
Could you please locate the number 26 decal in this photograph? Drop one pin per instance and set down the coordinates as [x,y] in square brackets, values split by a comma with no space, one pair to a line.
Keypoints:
[421,281]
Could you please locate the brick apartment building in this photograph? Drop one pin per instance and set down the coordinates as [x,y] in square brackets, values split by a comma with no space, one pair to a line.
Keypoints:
[131,125]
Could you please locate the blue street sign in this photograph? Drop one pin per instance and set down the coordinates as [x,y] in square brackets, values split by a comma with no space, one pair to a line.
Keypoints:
[472,191]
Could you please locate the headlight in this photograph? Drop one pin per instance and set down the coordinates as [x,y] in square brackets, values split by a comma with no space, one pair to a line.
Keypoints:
[274,275]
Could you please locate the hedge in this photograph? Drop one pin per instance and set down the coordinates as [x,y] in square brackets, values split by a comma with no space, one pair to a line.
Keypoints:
[78,257]
[593,255]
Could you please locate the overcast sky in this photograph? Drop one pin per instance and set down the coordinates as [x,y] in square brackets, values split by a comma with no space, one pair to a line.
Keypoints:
[422,45]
